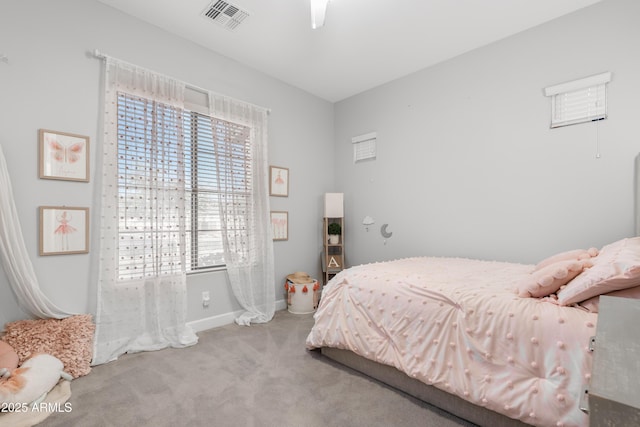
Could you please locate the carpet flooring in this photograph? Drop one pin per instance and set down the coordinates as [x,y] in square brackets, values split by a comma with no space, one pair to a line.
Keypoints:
[254,376]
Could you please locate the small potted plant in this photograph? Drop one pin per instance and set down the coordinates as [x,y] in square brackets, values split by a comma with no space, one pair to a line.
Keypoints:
[334,230]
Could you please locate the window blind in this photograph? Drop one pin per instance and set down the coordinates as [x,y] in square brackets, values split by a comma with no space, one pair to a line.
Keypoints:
[579,101]
[218,157]
[364,147]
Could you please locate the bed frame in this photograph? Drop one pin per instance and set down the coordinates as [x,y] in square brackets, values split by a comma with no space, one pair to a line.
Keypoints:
[426,393]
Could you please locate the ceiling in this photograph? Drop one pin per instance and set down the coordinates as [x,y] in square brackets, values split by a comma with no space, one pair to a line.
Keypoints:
[364,43]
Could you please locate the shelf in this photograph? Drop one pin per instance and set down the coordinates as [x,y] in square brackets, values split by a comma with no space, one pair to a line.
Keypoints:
[333,253]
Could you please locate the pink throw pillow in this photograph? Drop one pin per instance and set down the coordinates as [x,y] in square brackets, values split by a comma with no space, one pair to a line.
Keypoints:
[616,267]
[575,255]
[550,278]
[8,357]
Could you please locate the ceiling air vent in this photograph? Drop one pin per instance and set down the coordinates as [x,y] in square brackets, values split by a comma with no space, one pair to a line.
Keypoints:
[225,14]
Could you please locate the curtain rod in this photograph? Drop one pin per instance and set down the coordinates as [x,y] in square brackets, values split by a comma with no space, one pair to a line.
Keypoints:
[101,55]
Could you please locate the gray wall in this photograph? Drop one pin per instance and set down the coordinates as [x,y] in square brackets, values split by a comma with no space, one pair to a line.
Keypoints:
[53,82]
[467,164]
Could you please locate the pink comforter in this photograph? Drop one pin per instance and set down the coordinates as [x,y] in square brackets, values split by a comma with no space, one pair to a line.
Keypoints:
[457,324]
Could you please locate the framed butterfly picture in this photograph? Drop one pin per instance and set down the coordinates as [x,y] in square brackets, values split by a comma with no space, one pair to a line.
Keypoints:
[63,156]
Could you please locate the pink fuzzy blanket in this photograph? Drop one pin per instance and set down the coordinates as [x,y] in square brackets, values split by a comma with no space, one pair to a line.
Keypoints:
[70,340]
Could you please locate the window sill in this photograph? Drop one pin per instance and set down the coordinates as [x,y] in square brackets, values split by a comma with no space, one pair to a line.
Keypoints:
[207,270]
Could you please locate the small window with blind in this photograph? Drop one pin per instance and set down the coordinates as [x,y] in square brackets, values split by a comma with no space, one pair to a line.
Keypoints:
[579,101]
[209,153]
[364,147]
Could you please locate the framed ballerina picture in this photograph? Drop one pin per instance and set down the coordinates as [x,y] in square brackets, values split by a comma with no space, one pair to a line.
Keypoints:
[63,156]
[278,181]
[280,225]
[64,230]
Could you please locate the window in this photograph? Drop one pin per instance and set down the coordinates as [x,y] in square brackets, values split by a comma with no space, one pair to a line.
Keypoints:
[181,150]
[579,101]
[217,157]
[364,147]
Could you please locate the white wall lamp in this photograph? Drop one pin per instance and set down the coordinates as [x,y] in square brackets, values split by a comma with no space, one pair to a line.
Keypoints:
[318,12]
[367,221]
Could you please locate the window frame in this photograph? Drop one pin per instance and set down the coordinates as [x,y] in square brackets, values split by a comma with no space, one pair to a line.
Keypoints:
[228,136]
[231,128]
[579,101]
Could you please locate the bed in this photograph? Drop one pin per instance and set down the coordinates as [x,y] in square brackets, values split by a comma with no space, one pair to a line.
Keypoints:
[499,344]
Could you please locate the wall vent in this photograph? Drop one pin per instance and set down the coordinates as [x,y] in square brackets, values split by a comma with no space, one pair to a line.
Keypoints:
[225,14]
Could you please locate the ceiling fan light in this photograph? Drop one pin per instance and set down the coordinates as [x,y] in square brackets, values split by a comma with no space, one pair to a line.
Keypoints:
[318,11]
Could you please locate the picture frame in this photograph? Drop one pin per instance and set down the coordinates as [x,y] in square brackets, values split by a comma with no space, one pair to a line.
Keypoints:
[278,181]
[63,156]
[280,225]
[64,230]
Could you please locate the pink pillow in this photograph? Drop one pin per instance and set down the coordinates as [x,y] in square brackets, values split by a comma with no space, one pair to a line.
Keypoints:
[548,279]
[616,267]
[592,303]
[576,254]
[8,357]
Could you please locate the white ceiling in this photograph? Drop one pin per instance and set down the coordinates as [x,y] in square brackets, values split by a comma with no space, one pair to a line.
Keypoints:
[363,44]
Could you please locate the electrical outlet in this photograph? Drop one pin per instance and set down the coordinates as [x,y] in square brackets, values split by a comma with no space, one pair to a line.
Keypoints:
[205,299]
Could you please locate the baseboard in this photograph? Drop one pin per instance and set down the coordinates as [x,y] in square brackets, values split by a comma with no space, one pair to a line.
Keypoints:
[224,319]
[281,305]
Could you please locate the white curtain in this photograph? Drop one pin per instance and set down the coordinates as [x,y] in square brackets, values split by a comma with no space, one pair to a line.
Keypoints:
[244,212]
[142,276]
[15,258]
